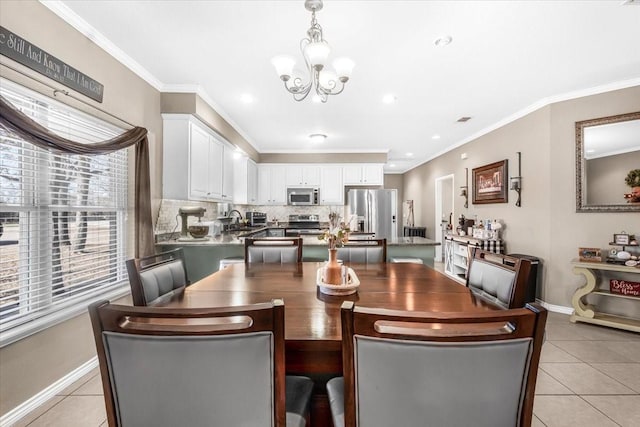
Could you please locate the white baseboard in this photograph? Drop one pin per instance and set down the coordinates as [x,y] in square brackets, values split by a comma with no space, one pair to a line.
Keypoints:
[556,308]
[30,405]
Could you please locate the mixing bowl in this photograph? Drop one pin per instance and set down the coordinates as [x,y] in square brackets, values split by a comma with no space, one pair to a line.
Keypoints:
[198,231]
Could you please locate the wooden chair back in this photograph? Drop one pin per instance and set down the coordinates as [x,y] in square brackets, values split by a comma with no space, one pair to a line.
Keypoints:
[281,250]
[205,366]
[417,368]
[500,279]
[364,251]
[157,277]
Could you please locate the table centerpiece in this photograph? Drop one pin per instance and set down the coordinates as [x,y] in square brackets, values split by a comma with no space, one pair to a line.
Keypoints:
[336,236]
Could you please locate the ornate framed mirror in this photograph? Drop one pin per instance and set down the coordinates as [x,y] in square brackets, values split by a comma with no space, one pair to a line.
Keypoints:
[607,150]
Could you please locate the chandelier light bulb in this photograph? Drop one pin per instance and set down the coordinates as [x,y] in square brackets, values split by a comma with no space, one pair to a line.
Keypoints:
[317,54]
[283,65]
[344,68]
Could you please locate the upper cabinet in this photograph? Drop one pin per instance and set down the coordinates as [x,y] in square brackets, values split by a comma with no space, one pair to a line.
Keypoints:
[363,174]
[272,189]
[331,186]
[302,175]
[245,181]
[195,161]
[227,173]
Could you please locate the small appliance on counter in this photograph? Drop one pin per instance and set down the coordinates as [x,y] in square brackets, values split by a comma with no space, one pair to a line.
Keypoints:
[196,231]
[256,219]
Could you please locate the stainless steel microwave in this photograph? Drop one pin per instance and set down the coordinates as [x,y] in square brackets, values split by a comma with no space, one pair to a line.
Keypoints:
[303,196]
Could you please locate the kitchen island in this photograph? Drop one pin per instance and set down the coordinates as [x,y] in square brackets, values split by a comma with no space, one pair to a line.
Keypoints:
[203,255]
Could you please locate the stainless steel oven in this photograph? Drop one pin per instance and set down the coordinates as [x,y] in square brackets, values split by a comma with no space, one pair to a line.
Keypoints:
[303,196]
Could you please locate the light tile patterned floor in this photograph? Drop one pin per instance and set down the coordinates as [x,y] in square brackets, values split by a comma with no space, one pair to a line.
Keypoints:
[589,377]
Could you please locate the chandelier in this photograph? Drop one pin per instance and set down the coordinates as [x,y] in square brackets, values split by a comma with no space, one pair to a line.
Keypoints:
[315,52]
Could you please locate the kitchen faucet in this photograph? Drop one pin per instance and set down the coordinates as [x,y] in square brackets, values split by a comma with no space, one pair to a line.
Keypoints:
[232,211]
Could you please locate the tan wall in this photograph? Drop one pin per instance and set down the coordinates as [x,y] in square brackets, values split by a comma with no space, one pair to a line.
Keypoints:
[32,364]
[546,225]
[570,230]
[323,158]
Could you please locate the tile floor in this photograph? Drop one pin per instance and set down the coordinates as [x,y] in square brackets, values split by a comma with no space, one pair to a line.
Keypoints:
[589,376]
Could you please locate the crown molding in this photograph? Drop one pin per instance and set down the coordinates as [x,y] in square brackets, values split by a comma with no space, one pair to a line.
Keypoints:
[71,18]
[609,87]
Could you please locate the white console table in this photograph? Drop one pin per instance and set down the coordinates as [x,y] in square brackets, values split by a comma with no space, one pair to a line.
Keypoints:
[586,312]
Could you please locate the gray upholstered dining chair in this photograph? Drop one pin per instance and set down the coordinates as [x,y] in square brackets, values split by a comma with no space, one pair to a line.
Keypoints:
[156,277]
[280,250]
[364,251]
[437,369]
[197,367]
[500,279]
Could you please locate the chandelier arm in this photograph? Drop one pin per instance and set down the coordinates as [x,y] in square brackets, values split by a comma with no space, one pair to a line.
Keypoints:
[330,91]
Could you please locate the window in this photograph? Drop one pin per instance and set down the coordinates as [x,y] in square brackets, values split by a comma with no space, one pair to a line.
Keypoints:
[62,218]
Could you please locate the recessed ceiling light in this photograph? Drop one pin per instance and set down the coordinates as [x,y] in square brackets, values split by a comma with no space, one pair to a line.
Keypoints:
[443,41]
[591,151]
[317,138]
[392,165]
[389,98]
[464,119]
[409,154]
[316,99]
[246,98]
[435,137]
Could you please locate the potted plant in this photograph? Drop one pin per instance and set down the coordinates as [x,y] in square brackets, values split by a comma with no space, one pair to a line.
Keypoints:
[633,181]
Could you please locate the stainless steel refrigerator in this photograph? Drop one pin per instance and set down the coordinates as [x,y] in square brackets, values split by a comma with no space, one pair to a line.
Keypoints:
[376,211]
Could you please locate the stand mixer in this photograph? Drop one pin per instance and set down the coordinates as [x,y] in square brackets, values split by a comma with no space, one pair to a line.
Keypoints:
[185,213]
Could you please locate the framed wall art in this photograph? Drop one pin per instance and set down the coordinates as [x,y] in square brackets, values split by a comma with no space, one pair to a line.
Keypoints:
[490,183]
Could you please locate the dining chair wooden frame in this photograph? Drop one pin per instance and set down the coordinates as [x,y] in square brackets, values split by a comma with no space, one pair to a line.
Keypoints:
[467,328]
[159,322]
[518,267]
[274,242]
[366,243]
[173,262]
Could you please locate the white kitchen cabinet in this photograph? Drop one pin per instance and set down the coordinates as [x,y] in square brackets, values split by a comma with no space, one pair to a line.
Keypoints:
[245,181]
[193,160]
[363,174]
[272,189]
[302,175]
[331,185]
[227,173]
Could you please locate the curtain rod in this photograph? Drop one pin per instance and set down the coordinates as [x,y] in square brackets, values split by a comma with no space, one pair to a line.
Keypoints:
[66,92]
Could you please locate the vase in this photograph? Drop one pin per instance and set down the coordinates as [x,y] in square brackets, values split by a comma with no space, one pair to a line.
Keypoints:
[332,273]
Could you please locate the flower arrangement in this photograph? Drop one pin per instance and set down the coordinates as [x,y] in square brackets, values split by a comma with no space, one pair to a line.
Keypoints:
[337,234]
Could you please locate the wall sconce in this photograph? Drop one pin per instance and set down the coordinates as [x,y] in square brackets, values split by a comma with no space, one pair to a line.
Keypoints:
[464,189]
[516,183]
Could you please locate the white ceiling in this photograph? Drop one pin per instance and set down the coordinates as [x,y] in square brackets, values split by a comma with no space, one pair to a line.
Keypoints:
[507,58]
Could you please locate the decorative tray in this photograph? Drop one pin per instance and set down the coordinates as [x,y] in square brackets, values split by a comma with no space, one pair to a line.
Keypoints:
[348,288]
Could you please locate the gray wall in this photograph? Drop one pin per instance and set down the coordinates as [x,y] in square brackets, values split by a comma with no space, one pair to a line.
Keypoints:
[546,225]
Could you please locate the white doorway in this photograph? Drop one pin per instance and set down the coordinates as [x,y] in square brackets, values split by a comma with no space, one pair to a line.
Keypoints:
[444,209]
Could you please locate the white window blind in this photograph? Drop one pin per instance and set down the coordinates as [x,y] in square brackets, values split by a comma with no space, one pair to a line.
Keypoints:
[63,217]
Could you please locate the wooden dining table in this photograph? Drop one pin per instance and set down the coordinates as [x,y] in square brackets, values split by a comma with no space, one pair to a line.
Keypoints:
[312,319]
